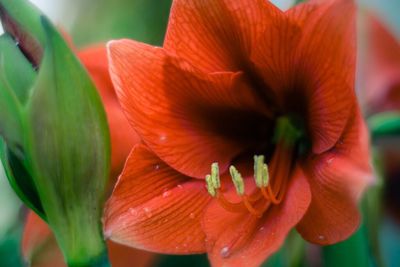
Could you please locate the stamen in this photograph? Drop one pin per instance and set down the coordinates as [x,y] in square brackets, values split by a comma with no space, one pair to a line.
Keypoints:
[237,180]
[215,175]
[210,186]
[261,175]
[266,192]
[250,207]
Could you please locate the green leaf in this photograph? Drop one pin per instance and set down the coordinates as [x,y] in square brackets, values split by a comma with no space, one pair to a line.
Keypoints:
[69,150]
[384,124]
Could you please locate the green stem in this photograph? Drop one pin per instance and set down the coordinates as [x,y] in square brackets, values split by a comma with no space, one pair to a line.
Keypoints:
[99,261]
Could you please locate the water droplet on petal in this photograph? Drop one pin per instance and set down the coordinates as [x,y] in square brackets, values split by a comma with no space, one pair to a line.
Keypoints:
[163,137]
[133,211]
[261,229]
[179,186]
[192,215]
[321,237]
[107,233]
[225,252]
[157,167]
[148,213]
[166,194]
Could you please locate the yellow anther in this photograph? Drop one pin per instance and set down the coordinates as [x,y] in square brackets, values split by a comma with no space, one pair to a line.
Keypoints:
[215,175]
[261,175]
[237,180]
[210,186]
[265,175]
[258,170]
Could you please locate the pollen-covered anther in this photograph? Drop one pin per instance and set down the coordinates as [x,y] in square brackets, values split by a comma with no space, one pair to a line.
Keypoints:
[257,202]
[261,174]
[237,180]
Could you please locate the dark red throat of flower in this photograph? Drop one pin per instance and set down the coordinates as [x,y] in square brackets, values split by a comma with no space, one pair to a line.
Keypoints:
[271,181]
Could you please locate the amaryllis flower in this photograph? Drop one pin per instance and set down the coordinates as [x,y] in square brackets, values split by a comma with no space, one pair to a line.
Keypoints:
[380,69]
[380,86]
[251,128]
[39,246]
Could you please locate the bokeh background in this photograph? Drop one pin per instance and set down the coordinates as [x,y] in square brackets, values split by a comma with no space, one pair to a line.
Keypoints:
[97,21]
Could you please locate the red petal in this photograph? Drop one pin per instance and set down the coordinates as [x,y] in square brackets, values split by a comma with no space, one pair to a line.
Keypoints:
[156,208]
[380,67]
[189,120]
[326,67]
[337,179]
[273,53]
[122,256]
[123,137]
[216,35]
[39,247]
[240,239]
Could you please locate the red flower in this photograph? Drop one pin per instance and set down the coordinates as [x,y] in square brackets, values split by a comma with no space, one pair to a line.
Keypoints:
[237,79]
[380,78]
[380,68]
[39,246]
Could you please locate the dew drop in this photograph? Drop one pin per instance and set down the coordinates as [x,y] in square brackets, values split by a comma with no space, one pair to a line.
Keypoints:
[163,137]
[107,233]
[157,167]
[133,211]
[261,229]
[192,215]
[148,213]
[179,186]
[225,252]
[166,194]
[321,237]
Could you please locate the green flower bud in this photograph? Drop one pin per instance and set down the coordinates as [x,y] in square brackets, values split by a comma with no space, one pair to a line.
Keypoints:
[54,136]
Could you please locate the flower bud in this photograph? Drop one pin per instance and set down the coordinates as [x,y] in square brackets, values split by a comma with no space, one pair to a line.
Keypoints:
[55,145]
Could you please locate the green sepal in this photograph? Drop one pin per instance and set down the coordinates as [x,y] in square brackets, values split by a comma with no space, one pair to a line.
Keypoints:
[385,124]
[21,19]
[68,147]
[20,179]
[16,78]
[16,69]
